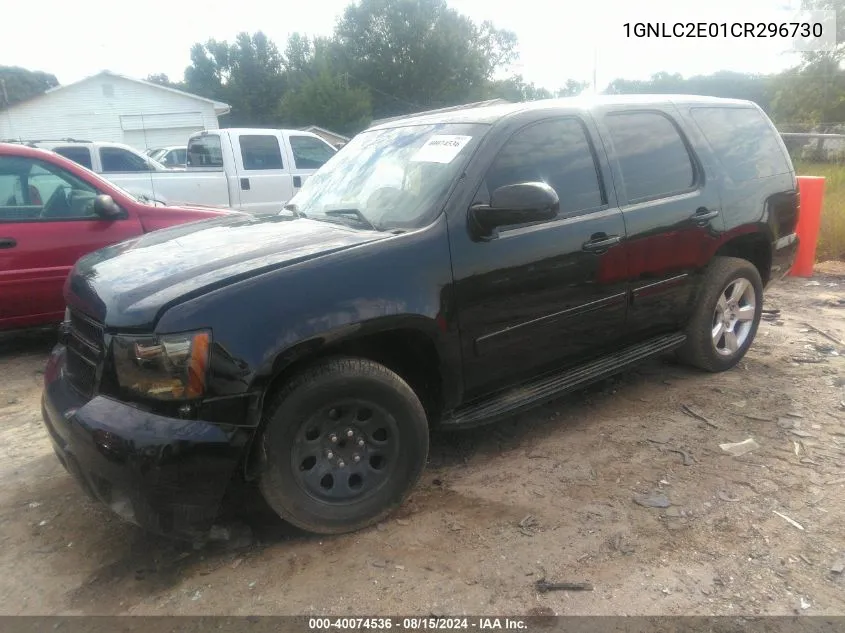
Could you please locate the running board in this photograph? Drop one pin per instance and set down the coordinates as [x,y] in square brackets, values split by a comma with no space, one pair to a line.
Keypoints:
[551,386]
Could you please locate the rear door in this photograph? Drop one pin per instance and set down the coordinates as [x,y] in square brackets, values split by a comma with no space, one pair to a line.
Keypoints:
[264,177]
[47,222]
[309,153]
[672,214]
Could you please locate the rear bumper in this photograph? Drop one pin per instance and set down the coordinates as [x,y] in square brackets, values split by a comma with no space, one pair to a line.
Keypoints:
[783,256]
[165,474]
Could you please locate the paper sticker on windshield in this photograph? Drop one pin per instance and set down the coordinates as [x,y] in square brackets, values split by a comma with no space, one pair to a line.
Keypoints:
[441,148]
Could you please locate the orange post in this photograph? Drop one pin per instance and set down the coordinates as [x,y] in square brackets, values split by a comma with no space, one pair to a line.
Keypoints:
[809,221]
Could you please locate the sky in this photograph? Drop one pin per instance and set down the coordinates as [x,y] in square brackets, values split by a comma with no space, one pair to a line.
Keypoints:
[76,39]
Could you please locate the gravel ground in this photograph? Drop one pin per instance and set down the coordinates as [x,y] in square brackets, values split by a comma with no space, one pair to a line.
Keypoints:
[554,493]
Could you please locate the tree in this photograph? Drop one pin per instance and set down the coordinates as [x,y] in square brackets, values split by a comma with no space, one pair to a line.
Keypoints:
[516,89]
[19,84]
[572,88]
[328,101]
[417,54]
[247,74]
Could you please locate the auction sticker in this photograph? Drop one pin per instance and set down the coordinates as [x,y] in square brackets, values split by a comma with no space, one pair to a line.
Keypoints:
[441,148]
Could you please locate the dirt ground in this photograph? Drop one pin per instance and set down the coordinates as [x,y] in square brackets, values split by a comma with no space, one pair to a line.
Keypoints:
[549,494]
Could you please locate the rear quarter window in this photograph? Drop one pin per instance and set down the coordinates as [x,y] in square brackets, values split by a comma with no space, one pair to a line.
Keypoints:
[743,140]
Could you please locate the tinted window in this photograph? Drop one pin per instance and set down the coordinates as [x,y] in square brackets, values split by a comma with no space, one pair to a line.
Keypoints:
[115,159]
[557,153]
[652,156]
[81,155]
[36,190]
[180,155]
[205,151]
[260,152]
[743,141]
[309,152]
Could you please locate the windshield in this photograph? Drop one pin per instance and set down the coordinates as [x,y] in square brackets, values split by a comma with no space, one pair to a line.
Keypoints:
[392,178]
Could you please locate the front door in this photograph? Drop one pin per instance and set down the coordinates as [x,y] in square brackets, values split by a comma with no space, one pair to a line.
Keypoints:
[549,294]
[47,222]
[264,177]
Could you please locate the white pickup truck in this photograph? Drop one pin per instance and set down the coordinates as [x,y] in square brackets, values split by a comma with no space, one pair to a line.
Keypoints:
[253,170]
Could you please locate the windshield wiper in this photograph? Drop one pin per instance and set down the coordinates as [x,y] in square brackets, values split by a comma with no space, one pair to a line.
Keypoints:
[294,210]
[352,212]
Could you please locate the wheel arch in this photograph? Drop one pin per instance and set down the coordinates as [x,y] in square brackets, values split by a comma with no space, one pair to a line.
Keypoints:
[411,347]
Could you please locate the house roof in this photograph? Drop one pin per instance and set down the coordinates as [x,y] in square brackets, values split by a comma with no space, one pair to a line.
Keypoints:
[220,108]
[315,129]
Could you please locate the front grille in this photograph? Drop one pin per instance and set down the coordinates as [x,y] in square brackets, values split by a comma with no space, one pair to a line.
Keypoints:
[85,347]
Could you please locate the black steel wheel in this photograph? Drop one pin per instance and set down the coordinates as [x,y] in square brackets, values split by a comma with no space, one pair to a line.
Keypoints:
[344,443]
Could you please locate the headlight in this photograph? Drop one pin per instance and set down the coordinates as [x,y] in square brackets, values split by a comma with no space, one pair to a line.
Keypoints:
[170,367]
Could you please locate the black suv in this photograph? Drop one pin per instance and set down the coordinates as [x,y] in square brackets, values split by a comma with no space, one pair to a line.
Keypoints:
[443,270]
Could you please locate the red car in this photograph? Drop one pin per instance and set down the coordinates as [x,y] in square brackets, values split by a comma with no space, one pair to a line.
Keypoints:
[52,212]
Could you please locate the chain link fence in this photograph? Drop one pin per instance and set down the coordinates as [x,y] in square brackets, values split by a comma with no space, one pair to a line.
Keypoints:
[821,143]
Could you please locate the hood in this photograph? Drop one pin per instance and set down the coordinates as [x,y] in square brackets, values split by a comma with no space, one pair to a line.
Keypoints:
[154,218]
[126,285]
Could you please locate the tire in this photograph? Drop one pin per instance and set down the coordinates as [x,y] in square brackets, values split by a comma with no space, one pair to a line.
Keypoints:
[732,299]
[316,426]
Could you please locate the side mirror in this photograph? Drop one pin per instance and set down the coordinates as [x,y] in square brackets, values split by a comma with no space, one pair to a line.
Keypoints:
[106,207]
[515,204]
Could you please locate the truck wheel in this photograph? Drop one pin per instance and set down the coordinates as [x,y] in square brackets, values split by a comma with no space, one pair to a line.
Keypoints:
[344,443]
[726,317]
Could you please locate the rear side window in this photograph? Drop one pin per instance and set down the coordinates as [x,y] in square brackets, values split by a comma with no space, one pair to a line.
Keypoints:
[80,155]
[260,152]
[556,152]
[205,151]
[115,159]
[309,153]
[653,157]
[743,141]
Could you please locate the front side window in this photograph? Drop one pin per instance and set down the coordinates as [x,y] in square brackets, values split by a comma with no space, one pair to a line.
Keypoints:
[556,152]
[204,151]
[115,159]
[309,152]
[31,189]
[653,157]
[80,155]
[260,152]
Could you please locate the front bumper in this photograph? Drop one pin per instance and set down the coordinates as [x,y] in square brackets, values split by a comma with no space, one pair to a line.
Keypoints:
[167,475]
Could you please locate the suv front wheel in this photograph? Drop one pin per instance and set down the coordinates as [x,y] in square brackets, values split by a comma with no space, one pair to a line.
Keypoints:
[343,444]
[727,315]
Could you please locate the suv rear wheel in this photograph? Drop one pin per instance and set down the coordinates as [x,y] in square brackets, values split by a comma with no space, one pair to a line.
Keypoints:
[344,443]
[725,320]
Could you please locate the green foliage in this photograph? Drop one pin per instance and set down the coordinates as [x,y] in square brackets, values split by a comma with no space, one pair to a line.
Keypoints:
[418,54]
[22,84]
[329,101]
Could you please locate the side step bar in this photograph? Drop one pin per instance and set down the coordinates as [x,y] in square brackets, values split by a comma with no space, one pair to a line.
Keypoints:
[551,386]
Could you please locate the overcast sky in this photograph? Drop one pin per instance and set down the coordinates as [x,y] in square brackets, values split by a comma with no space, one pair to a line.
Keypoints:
[74,39]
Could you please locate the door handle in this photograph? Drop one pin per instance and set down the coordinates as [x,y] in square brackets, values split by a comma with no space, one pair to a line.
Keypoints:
[245,184]
[600,243]
[297,181]
[703,215]
[8,242]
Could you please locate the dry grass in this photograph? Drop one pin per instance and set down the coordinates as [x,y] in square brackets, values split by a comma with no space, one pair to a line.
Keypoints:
[832,233]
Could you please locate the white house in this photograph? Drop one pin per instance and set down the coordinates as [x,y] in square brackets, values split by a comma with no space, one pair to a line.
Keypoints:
[111,107]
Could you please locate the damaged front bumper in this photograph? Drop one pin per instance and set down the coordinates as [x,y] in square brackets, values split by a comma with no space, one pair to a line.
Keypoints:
[165,474]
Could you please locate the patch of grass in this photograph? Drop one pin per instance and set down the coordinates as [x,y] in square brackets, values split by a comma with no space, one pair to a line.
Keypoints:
[832,234]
